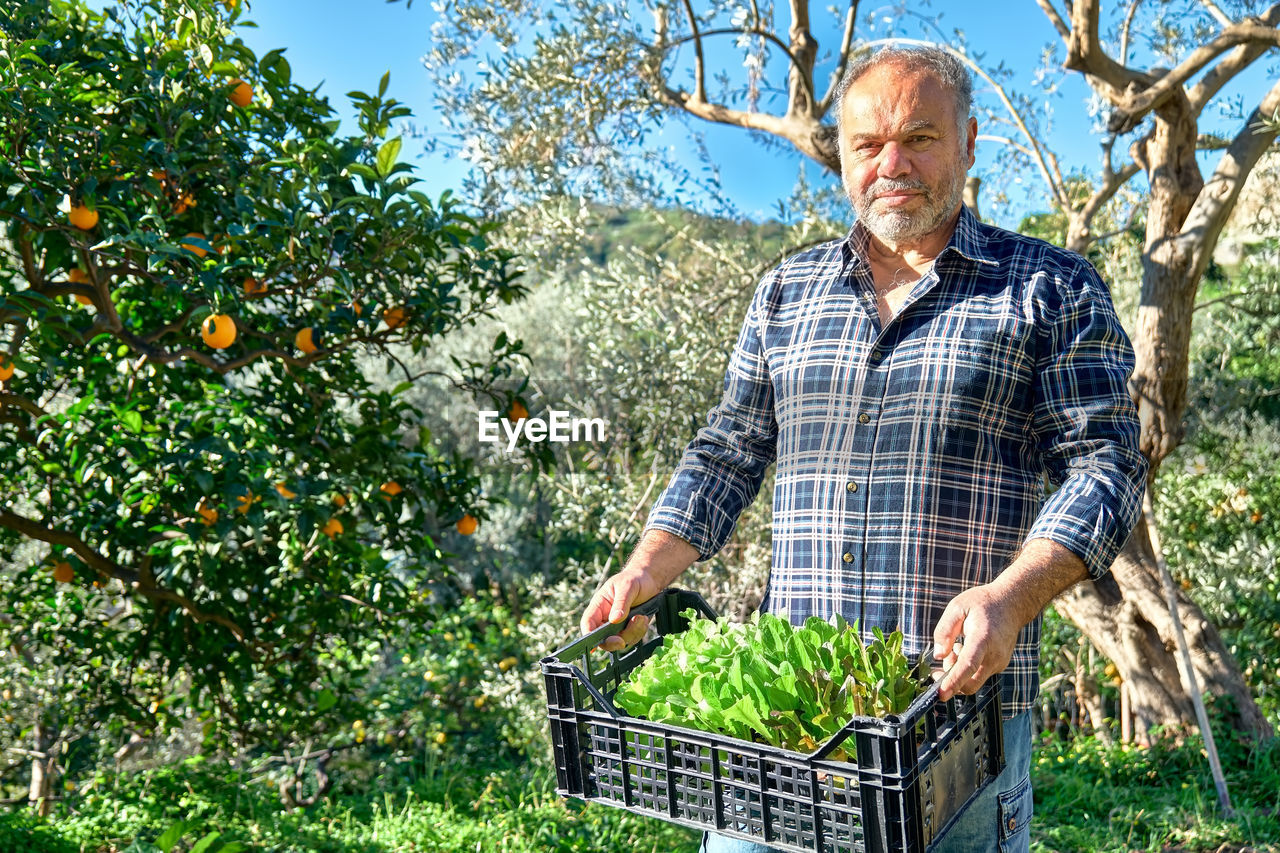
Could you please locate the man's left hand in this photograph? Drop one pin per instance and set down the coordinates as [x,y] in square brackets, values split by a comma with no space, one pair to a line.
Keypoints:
[989,626]
[990,616]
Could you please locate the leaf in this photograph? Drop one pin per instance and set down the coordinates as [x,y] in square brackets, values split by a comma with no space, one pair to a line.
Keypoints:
[767,681]
[387,154]
[204,844]
[172,835]
[131,421]
[325,700]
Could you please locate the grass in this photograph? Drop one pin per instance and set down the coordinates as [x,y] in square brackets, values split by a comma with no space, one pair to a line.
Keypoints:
[1089,797]
[505,808]
[1111,798]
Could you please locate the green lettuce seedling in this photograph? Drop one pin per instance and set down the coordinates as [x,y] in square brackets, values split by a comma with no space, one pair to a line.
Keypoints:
[766,681]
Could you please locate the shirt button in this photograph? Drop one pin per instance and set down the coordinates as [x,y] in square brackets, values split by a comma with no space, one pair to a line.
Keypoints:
[864,418]
[852,487]
[848,558]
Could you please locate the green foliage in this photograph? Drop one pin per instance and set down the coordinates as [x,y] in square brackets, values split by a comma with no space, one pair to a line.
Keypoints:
[1119,799]
[1219,491]
[187,487]
[441,807]
[764,680]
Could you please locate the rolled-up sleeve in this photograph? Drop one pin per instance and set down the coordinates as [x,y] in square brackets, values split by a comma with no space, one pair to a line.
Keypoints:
[1086,423]
[723,467]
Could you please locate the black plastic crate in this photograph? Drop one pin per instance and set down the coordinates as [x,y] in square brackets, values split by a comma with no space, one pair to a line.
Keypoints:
[913,776]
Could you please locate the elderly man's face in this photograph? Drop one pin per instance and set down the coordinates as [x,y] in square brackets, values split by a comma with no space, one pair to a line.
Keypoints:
[903,157]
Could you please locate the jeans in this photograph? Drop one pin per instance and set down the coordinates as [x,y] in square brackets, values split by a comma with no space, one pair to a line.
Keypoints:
[999,821]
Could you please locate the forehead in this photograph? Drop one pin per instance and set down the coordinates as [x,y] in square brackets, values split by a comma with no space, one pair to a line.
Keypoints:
[892,96]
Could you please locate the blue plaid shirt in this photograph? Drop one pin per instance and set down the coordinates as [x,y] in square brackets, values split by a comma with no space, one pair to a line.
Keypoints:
[912,457]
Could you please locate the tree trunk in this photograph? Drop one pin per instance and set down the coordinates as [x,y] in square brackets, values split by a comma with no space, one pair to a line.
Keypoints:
[38,795]
[1137,634]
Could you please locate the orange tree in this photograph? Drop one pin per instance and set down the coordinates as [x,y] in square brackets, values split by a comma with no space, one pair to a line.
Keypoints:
[209,300]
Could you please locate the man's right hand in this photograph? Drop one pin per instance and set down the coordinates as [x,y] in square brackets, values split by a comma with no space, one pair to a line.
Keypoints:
[657,561]
[613,601]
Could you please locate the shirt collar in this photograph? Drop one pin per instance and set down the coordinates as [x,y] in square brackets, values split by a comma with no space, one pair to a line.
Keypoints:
[967,241]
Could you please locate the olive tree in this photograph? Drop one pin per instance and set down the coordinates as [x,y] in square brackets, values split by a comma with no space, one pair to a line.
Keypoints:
[568,94]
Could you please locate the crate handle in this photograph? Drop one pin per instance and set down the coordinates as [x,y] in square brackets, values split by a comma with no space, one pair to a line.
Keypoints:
[666,605]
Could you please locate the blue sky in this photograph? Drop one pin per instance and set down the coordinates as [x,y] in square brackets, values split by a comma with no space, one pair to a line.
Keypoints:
[349,44]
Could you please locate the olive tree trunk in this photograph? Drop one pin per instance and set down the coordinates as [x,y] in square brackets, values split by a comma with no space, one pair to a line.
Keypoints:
[1137,634]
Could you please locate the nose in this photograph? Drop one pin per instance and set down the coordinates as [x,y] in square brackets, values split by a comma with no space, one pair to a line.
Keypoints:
[893,161]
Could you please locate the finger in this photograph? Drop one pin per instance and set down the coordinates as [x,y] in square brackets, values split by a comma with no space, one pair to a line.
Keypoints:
[629,636]
[623,597]
[597,612]
[959,678]
[947,631]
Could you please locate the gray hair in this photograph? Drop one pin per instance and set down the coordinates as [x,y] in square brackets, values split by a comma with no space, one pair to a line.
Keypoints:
[930,59]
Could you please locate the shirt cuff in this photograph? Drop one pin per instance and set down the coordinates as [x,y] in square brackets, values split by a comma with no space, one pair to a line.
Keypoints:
[685,524]
[1081,520]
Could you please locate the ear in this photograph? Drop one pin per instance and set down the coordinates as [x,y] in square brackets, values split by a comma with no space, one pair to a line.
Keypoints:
[971,140]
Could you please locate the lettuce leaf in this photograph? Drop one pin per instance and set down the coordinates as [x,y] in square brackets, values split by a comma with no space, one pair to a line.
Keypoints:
[768,682]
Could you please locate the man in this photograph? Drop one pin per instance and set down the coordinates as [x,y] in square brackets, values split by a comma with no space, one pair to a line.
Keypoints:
[916,381]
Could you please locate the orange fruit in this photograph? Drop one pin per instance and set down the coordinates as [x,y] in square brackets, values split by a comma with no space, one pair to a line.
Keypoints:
[245,502]
[517,412]
[467,524]
[82,217]
[390,488]
[6,368]
[285,492]
[254,287]
[332,528]
[357,308]
[339,501]
[305,340]
[394,317]
[207,513]
[218,331]
[242,94]
[193,248]
[75,275]
[62,572]
[182,204]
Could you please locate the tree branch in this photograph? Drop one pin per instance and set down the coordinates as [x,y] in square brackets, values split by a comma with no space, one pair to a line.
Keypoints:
[750,31]
[803,52]
[1218,15]
[1112,182]
[846,45]
[800,132]
[1208,215]
[29,406]
[699,74]
[1225,71]
[1085,53]
[133,580]
[1054,18]
[1234,35]
[1125,28]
